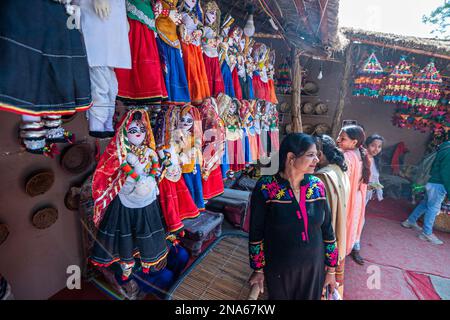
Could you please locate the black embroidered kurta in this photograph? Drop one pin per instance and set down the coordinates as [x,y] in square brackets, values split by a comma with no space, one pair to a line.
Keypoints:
[291,240]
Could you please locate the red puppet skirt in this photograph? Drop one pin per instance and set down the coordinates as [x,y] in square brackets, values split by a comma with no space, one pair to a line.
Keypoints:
[144,82]
[214,75]
[176,203]
[213,186]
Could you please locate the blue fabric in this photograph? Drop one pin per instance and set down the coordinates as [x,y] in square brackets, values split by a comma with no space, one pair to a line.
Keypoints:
[177,259]
[174,73]
[227,80]
[195,186]
[251,94]
[159,282]
[430,206]
[225,165]
[247,152]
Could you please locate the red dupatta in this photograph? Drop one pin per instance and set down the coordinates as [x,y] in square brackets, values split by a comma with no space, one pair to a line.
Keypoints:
[108,177]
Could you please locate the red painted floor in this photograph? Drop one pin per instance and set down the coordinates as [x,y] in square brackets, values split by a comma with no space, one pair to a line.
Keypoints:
[402,259]
[398,253]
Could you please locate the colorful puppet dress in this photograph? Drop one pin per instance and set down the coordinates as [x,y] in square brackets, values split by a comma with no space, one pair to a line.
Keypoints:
[191,31]
[210,43]
[174,196]
[124,190]
[170,52]
[39,77]
[144,82]
[212,149]
[189,142]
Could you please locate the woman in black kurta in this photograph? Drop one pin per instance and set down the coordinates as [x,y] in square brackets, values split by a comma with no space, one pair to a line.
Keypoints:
[292,244]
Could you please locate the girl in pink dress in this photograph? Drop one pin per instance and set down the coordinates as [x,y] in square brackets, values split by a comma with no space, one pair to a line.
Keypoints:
[350,140]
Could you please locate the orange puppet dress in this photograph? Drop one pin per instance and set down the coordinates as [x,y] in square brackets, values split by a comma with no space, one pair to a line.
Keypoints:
[193,58]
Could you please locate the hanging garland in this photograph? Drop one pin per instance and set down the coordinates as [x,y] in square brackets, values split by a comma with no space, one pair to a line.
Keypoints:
[284,82]
[397,88]
[370,77]
[425,87]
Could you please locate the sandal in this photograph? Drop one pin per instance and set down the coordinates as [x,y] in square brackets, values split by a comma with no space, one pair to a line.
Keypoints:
[356,257]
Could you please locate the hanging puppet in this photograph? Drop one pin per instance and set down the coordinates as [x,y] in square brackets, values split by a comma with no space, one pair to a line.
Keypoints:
[126,209]
[213,149]
[250,147]
[105,31]
[250,68]
[229,112]
[270,75]
[167,19]
[368,83]
[210,43]
[176,201]
[52,78]
[227,59]
[260,78]
[235,52]
[191,31]
[274,133]
[144,83]
[261,128]
[188,138]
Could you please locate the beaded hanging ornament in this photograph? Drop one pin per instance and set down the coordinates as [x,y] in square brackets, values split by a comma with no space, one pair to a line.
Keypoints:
[425,87]
[397,88]
[283,79]
[370,77]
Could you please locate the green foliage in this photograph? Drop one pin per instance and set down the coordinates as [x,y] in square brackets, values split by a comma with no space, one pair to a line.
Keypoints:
[440,17]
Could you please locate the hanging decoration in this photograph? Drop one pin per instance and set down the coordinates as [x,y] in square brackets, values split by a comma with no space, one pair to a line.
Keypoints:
[369,79]
[397,88]
[283,79]
[425,87]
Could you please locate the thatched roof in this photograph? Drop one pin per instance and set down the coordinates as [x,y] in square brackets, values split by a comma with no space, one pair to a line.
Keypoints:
[310,25]
[425,46]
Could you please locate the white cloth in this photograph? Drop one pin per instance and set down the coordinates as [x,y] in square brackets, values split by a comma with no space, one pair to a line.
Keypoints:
[374,179]
[104,88]
[209,50]
[143,192]
[106,40]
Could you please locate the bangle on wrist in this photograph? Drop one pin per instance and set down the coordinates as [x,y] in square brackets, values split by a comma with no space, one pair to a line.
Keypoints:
[331,272]
[259,271]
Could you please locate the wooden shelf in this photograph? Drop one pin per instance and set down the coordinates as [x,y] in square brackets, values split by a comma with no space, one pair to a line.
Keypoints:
[315,115]
[302,95]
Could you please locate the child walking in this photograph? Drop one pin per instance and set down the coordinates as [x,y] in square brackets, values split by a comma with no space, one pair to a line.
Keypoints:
[350,140]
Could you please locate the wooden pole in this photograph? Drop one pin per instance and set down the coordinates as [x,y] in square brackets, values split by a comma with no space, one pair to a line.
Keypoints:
[345,84]
[296,91]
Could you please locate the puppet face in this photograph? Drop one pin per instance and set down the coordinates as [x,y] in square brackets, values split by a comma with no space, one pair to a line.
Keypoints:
[189,4]
[211,17]
[136,133]
[237,34]
[233,108]
[186,122]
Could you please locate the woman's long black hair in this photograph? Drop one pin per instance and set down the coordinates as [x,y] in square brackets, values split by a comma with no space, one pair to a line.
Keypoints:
[328,146]
[371,139]
[297,143]
[356,132]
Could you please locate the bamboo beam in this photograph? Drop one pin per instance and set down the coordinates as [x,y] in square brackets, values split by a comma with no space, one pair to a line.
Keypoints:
[267,36]
[343,92]
[397,47]
[296,91]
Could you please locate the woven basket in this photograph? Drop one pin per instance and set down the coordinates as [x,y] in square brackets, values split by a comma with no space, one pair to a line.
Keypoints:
[44,218]
[4,232]
[442,222]
[308,108]
[77,158]
[39,183]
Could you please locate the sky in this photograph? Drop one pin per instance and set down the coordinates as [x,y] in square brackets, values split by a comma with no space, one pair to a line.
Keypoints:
[403,17]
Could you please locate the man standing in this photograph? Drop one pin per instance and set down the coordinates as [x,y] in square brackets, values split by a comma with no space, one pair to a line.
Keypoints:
[436,189]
